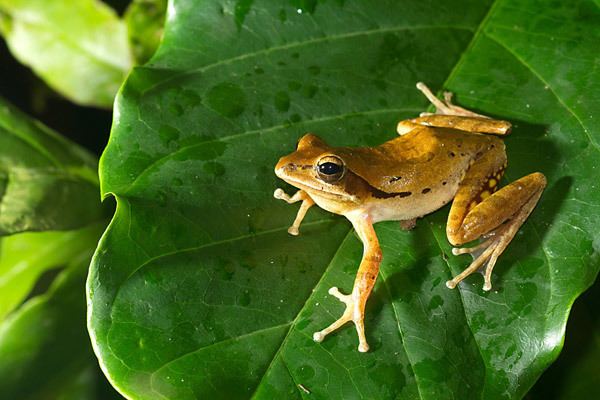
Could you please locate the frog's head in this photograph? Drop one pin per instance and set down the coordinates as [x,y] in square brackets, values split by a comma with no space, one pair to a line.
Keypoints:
[314,167]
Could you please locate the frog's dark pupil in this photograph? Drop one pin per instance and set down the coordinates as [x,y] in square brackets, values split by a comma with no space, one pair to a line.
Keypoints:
[330,168]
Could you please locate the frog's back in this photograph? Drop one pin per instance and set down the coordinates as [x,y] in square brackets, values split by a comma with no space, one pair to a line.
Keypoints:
[424,157]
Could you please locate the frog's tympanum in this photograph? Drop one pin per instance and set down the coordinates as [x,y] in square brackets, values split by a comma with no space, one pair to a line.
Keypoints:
[453,155]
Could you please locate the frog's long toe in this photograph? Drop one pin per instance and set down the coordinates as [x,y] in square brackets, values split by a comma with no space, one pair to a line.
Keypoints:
[353,313]
[486,253]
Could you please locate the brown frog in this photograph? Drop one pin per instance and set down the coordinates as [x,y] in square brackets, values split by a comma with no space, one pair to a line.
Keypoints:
[452,155]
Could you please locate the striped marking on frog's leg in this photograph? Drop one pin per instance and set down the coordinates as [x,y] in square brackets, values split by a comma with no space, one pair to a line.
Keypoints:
[489,187]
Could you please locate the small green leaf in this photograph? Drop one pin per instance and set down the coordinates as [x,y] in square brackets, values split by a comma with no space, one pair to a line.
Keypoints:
[197,290]
[25,256]
[46,182]
[145,20]
[78,47]
[44,344]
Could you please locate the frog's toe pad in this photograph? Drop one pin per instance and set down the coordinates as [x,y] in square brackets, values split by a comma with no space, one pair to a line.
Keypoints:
[318,337]
[450,284]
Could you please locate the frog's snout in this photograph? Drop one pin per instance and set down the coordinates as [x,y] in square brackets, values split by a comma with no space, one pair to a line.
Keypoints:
[284,167]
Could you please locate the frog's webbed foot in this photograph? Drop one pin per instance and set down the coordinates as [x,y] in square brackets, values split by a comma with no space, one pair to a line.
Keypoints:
[307,203]
[445,107]
[355,312]
[486,253]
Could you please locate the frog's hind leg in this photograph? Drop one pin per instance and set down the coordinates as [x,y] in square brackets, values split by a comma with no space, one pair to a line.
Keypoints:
[445,107]
[448,115]
[476,213]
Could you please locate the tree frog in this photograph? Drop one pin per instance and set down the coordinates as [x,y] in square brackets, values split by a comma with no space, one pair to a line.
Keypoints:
[451,155]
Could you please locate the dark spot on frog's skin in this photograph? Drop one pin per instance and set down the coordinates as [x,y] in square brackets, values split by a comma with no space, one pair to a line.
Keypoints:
[451,154]
[492,146]
[444,183]
[395,179]
[379,194]
[426,190]
[462,154]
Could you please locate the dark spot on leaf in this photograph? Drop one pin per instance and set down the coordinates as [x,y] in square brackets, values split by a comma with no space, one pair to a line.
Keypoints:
[282,101]
[282,15]
[293,85]
[309,91]
[168,134]
[242,7]
[435,302]
[244,299]
[227,99]
[314,70]
[214,168]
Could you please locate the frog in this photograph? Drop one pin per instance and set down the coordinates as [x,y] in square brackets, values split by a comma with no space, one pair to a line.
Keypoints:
[450,155]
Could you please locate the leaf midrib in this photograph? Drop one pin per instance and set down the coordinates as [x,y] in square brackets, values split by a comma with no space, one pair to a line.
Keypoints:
[293,324]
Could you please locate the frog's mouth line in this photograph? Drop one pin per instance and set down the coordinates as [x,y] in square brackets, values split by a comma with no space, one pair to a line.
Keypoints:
[321,190]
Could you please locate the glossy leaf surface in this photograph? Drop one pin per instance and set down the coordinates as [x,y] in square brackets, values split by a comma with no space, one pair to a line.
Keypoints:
[197,290]
[78,47]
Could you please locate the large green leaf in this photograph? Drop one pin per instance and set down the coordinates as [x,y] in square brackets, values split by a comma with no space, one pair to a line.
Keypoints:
[79,47]
[46,182]
[197,290]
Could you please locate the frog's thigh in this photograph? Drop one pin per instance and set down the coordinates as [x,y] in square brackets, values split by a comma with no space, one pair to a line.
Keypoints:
[480,180]
[502,205]
[500,215]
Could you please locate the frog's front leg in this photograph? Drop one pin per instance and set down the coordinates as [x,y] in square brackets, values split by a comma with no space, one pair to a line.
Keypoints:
[497,217]
[363,284]
[307,203]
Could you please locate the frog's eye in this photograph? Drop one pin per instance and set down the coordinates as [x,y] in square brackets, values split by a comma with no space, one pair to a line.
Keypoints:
[330,169]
